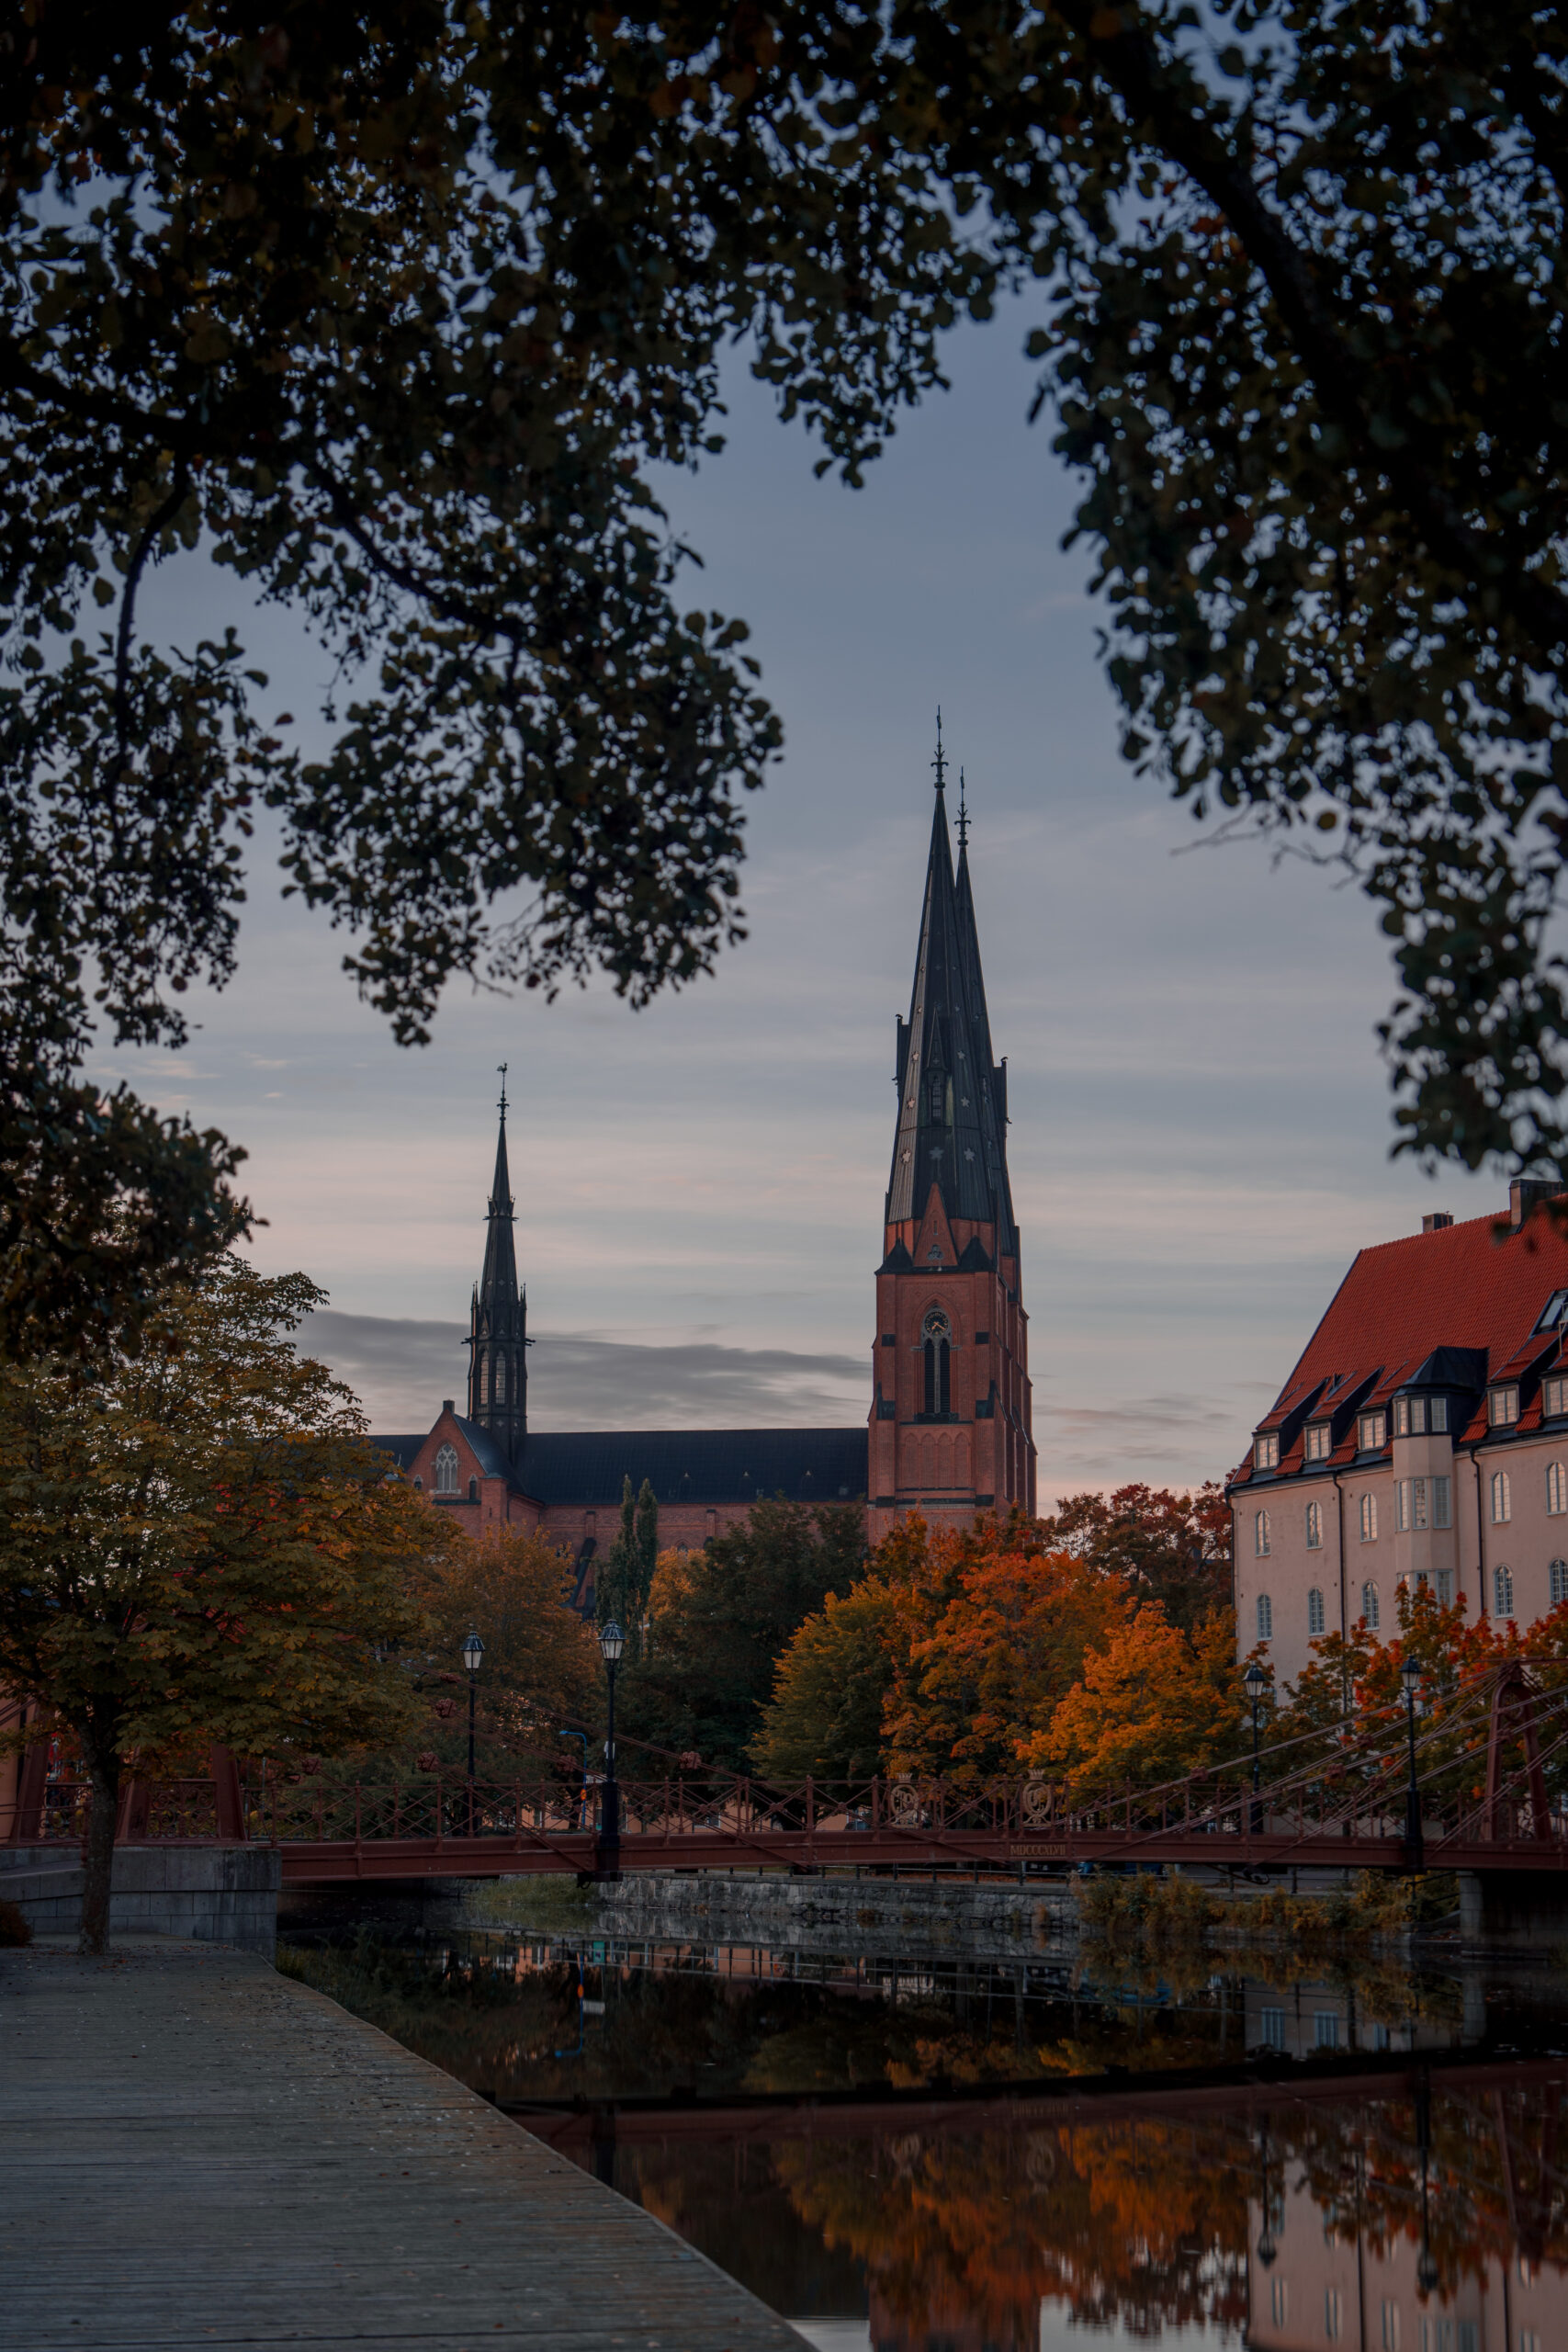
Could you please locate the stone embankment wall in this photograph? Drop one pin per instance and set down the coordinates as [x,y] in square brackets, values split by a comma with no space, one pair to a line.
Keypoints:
[225,1894]
[838,1912]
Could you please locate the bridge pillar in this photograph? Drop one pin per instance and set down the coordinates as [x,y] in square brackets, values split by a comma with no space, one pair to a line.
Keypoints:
[1520,1907]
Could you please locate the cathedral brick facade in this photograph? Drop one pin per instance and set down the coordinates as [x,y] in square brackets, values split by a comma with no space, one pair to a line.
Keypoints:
[950,1429]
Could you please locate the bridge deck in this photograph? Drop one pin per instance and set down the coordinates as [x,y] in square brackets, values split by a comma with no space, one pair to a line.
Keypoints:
[208,2155]
[324,1861]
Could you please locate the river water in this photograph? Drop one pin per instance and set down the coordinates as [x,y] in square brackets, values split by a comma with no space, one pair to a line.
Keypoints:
[933,2153]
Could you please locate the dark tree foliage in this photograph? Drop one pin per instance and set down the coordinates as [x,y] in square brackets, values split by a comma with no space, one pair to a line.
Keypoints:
[390,315]
[728,1615]
[626,1577]
[1172,1548]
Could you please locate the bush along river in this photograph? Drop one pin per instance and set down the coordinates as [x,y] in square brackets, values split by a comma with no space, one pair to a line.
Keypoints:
[1324,2135]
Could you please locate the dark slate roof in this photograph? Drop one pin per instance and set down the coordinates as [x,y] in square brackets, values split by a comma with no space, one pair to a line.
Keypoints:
[401,1449]
[492,1454]
[694,1466]
[951,1099]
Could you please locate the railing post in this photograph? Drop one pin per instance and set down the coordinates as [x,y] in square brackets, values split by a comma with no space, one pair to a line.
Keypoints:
[356,1813]
[811,1806]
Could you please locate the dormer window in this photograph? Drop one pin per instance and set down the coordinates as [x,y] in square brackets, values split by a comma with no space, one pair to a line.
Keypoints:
[1410,1416]
[1556,1398]
[1371,1432]
[1266,1450]
[1319,1441]
[1503,1404]
[1554,1312]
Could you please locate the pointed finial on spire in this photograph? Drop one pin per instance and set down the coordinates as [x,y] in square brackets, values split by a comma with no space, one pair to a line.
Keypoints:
[502,1066]
[940,762]
[963,816]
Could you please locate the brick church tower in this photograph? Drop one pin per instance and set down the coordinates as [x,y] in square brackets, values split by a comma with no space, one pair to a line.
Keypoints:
[950,1431]
[497,1321]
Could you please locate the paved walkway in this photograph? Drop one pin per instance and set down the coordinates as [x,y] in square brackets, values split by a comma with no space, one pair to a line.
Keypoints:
[198,2152]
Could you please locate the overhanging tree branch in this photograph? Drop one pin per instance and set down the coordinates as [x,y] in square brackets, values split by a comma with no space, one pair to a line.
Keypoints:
[1166,99]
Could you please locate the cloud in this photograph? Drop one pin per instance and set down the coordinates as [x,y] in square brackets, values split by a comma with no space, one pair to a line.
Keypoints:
[402,1369]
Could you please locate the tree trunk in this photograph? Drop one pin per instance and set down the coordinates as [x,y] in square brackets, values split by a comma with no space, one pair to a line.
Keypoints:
[99,1856]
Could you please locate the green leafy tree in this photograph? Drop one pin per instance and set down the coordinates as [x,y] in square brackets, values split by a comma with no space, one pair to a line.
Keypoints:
[622,1587]
[721,1617]
[825,1715]
[198,1543]
[392,319]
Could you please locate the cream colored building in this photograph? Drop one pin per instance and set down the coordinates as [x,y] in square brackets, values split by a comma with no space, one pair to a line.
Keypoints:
[1423,1436]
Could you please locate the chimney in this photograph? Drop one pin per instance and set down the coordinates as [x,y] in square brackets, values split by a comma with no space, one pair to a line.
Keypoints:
[446,1405]
[1437,1223]
[1525,1191]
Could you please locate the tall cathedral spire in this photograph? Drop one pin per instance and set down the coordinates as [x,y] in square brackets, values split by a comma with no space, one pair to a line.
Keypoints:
[951,1128]
[950,1424]
[498,1369]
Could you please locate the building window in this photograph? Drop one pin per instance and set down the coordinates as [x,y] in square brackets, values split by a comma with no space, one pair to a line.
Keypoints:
[1370,1605]
[1415,1502]
[1557,1581]
[1438,1414]
[419,1486]
[1325,2028]
[1315,1610]
[1319,1441]
[473,1490]
[1315,1527]
[1371,1432]
[1552,1314]
[1555,1399]
[1333,2314]
[1502,1591]
[1502,1499]
[1502,1406]
[1556,1489]
[1272,2026]
[1391,2327]
[1279,2300]
[1410,1416]
[1265,1618]
[1442,1503]
[499,1377]
[1368,1519]
[1261,1535]
[936,1338]
[1265,1450]
[447,1470]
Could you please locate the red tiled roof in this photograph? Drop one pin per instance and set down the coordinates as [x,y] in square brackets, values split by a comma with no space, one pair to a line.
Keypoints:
[1460,1286]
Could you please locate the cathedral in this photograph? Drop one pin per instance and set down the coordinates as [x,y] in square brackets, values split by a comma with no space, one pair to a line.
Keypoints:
[949,1431]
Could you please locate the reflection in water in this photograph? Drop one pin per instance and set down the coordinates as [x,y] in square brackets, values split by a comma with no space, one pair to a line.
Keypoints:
[1422,2209]
[1307,2221]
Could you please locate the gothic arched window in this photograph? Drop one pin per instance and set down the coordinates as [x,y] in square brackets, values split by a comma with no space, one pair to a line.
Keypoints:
[447,1470]
[499,1379]
[936,1334]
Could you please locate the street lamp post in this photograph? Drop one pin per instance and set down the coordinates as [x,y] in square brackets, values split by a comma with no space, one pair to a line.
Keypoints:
[473,1652]
[611,1642]
[1410,1676]
[1256,1682]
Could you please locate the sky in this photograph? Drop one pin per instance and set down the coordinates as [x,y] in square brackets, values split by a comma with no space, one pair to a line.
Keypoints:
[1200,1123]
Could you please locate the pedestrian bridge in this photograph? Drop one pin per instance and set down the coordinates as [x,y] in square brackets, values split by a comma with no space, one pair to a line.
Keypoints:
[1477,1790]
